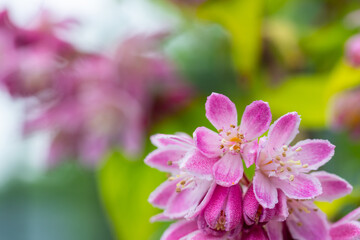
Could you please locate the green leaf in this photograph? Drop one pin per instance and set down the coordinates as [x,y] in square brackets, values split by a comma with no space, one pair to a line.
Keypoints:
[343,77]
[243,20]
[303,94]
[125,187]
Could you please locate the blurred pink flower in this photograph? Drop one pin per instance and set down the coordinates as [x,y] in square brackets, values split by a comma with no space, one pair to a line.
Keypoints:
[352,50]
[90,102]
[345,113]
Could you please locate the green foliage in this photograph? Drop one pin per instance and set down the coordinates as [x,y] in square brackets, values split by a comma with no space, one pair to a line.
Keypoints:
[303,94]
[124,187]
[243,20]
[343,77]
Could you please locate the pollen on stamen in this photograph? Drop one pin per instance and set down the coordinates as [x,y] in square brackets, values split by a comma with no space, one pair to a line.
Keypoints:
[277,158]
[169,163]
[289,169]
[305,165]
[285,148]
[221,146]
[232,126]
[299,224]
[241,136]
[228,133]
[291,178]
[283,154]
[183,182]
[298,149]
[178,189]
[282,163]
[282,169]
[220,130]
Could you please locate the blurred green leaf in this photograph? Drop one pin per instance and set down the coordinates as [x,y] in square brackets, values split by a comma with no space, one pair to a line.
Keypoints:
[303,94]
[343,77]
[203,56]
[125,187]
[61,204]
[243,20]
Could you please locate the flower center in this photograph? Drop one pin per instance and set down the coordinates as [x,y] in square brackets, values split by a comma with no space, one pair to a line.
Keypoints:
[283,164]
[186,181]
[232,140]
[220,224]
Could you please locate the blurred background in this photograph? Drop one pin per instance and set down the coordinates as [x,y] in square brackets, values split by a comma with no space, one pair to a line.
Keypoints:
[84,83]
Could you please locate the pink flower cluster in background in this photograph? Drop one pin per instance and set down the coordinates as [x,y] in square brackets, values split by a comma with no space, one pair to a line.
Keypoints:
[352,50]
[210,197]
[345,113]
[89,102]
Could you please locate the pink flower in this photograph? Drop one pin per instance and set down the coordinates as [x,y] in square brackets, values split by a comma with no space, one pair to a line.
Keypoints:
[347,228]
[183,194]
[284,167]
[223,213]
[231,143]
[254,213]
[352,49]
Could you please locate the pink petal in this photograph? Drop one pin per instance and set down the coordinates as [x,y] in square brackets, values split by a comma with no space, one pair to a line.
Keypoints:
[315,153]
[255,120]
[304,186]
[283,130]
[227,200]
[181,203]
[195,212]
[281,208]
[163,140]
[228,170]
[254,213]
[310,225]
[198,164]
[265,192]
[255,233]
[220,111]
[160,218]
[199,235]
[233,209]
[179,229]
[249,153]
[352,216]
[333,186]
[161,195]
[346,231]
[274,230]
[207,141]
[166,160]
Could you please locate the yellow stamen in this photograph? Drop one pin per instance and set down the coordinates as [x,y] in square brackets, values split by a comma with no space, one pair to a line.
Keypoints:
[291,178]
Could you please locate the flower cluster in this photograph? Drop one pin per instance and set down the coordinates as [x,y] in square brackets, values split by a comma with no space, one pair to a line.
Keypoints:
[210,196]
[89,102]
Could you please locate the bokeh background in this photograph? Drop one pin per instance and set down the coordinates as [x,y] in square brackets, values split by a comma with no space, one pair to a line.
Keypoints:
[85,83]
